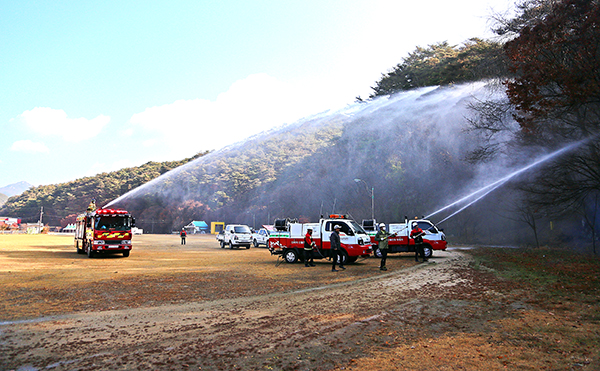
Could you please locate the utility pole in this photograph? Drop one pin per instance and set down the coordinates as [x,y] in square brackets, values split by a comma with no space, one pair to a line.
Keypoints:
[40,221]
[372,203]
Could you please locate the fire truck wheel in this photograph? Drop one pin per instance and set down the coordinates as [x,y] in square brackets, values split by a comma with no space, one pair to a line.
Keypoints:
[377,253]
[125,254]
[428,251]
[90,252]
[291,256]
[79,251]
[255,243]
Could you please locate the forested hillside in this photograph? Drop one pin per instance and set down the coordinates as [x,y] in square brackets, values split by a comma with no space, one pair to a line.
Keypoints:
[62,202]
[443,64]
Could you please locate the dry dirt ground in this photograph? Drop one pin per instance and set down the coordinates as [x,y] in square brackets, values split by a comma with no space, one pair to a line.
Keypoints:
[200,307]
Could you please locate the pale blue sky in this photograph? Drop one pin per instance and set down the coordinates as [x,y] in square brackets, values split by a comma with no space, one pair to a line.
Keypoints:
[90,87]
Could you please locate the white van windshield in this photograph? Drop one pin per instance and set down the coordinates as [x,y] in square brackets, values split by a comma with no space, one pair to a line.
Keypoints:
[241,229]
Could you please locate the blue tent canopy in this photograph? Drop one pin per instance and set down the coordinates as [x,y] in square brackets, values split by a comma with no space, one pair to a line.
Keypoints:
[197,226]
[201,224]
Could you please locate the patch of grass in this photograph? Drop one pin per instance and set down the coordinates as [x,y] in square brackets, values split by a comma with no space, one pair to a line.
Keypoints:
[556,276]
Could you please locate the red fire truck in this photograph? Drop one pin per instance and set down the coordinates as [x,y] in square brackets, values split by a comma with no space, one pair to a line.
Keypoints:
[288,239]
[104,231]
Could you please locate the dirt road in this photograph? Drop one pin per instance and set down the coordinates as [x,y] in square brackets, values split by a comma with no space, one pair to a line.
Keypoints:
[315,328]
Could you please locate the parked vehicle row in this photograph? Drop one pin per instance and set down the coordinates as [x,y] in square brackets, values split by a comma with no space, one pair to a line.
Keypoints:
[239,235]
[287,237]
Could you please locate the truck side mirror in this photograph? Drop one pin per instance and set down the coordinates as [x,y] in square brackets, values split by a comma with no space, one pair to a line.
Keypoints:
[133,222]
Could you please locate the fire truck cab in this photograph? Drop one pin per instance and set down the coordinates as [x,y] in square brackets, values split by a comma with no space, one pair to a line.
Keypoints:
[104,231]
[288,239]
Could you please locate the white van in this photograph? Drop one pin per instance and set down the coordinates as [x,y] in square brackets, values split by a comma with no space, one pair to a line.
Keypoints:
[237,235]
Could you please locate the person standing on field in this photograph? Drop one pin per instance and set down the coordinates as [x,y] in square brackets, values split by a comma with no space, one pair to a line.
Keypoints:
[417,234]
[336,248]
[308,249]
[183,235]
[382,238]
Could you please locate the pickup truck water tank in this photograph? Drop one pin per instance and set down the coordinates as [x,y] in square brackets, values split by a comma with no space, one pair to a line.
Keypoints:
[369,225]
[281,224]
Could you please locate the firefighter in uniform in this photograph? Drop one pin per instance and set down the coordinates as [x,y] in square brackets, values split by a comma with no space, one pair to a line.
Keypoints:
[382,238]
[183,235]
[308,249]
[417,234]
[336,248]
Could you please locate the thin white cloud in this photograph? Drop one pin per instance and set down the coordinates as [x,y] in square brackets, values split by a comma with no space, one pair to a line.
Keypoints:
[28,146]
[48,121]
[250,106]
[126,132]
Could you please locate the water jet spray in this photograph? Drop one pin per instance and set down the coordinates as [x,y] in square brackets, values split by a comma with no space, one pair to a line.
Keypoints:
[484,191]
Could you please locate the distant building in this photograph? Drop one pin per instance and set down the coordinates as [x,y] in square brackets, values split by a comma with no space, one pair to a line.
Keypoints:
[8,224]
[31,228]
[196,227]
[9,220]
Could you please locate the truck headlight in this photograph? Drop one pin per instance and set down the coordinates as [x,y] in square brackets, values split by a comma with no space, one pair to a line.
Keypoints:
[98,242]
[126,242]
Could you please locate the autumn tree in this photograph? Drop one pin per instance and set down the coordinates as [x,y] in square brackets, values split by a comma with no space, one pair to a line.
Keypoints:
[556,61]
[554,98]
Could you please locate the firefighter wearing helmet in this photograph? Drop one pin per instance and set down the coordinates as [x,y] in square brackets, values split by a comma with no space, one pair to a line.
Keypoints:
[336,248]
[382,244]
[417,234]
[183,235]
[308,249]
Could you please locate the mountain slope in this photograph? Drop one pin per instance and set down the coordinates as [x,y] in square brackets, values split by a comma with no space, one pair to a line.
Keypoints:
[15,188]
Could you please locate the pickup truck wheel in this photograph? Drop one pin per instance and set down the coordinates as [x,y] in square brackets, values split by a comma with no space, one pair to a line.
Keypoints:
[231,245]
[343,258]
[290,256]
[222,243]
[428,251]
[255,243]
[247,247]
[377,253]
